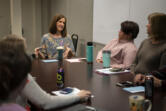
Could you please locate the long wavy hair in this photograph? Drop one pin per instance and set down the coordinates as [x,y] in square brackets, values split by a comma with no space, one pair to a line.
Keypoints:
[53,27]
[158,26]
[15,65]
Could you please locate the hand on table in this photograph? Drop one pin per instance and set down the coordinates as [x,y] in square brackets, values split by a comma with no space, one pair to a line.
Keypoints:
[68,53]
[139,79]
[38,54]
[99,61]
[84,94]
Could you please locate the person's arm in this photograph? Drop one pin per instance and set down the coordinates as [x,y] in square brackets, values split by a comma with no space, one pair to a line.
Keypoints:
[163,60]
[129,56]
[39,97]
[40,52]
[99,55]
[135,62]
[69,48]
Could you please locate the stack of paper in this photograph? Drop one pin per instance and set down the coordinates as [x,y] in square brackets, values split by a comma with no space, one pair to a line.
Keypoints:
[50,60]
[135,89]
[108,71]
[74,92]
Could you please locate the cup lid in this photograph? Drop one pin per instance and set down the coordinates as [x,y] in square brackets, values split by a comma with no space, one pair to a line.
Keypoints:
[60,48]
[107,51]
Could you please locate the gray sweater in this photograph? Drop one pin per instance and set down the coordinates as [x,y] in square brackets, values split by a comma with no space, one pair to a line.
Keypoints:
[150,57]
[39,97]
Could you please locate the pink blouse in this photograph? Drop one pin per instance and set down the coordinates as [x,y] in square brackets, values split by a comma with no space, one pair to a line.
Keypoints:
[122,53]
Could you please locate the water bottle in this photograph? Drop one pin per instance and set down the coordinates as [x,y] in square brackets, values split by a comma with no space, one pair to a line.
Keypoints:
[89,52]
[60,50]
[60,74]
[149,87]
[60,78]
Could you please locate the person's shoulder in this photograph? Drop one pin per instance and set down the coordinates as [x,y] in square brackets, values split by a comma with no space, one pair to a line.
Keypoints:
[46,36]
[114,39]
[131,46]
[68,37]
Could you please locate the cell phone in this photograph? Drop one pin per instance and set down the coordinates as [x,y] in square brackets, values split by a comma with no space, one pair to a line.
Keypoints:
[125,84]
[66,90]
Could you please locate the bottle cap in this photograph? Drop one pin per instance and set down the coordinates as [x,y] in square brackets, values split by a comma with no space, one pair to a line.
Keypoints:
[90,43]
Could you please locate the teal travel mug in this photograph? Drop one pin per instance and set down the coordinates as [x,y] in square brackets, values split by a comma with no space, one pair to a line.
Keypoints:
[89,52]
[106,58]
[60,50]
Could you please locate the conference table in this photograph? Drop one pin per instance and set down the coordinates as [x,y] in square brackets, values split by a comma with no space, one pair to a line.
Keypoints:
[107,95]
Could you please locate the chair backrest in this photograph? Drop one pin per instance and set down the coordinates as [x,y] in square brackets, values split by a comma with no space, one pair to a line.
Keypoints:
[74,38]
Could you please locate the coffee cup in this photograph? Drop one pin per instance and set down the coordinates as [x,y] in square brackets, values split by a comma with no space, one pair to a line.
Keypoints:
[106,58]
[137,103]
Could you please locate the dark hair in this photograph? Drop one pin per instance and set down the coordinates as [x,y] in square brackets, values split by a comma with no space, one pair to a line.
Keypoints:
[130,27]
[53,27]
[158,25]
[15,65]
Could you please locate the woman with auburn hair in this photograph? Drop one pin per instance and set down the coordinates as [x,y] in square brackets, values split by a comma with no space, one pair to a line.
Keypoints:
[151,55]
[14,68]
[57,36]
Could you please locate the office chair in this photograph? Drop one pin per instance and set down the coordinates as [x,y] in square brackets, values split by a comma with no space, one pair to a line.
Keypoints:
[74,38]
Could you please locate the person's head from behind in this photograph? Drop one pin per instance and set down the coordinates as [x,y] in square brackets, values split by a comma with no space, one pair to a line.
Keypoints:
[14,66]
[129,30]
[156,27]
[58,24]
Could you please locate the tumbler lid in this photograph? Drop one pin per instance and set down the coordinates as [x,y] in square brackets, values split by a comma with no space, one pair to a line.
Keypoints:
[107,51]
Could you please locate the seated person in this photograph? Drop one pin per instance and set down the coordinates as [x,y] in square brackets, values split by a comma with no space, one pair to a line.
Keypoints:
[57,36]
[159,77]
[38,96]
[14,68]
[123,50]
[151,55]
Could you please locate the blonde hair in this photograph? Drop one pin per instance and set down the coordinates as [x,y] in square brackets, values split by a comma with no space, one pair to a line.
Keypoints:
[158,25]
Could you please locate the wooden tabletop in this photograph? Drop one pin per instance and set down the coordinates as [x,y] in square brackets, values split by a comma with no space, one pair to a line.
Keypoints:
[108,96]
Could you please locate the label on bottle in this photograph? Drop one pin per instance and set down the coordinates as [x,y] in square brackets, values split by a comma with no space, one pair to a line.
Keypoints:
[60,78]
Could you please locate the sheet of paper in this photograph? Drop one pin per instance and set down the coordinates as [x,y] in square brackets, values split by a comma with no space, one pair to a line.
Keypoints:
[74,92]
[135,89]
[50,60]
[107,71]
[74,60]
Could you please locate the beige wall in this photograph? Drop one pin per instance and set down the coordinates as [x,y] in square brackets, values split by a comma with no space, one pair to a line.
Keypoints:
[31,23]
[4,17]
